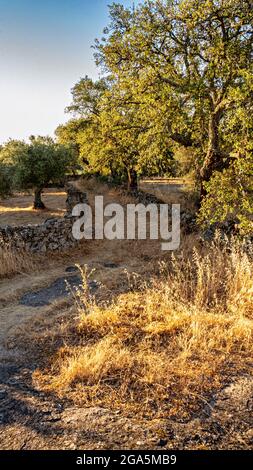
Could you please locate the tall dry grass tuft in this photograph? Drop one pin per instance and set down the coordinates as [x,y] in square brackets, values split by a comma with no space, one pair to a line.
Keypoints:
[165,345]
[215,278]
[12,262]
[93,187]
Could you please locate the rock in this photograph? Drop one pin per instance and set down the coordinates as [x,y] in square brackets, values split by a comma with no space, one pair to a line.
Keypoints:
[50,221]
[146,258]
[3,393]
[143,197]
[2,418]
[74,197]
[53,246]
[71,269]
[53,235]
[110,265]
[162,442]
[188,222]
[60,288]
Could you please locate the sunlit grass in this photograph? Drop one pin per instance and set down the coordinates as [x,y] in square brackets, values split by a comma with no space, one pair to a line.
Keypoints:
[16,209]
[13,262]
[167,343]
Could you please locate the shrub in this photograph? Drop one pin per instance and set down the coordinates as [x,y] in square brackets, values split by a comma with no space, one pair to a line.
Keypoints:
[6,178]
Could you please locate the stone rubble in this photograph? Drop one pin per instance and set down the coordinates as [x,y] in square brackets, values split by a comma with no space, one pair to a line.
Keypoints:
[52,235]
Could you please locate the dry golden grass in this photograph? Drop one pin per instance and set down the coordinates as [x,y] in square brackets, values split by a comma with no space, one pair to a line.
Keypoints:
[166,345]
[91,185]
[93,188]
[172,191]
[12,262]
[18,210]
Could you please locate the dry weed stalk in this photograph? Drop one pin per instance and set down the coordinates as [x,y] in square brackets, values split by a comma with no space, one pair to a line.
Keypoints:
[176,340]
[12,262]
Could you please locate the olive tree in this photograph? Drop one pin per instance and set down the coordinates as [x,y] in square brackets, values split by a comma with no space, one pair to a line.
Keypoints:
[39,163]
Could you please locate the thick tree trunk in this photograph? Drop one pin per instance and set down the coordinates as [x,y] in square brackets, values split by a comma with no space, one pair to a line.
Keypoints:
[38,204]
[132,183]
[213,160]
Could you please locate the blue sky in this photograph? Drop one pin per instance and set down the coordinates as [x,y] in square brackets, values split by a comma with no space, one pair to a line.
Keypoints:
[45,47]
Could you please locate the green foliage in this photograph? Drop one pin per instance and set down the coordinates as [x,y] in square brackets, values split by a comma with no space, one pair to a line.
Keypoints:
[69,135]
[41,162]
[112,139]
[185,162]
[162,164]
[86,95]
[230,196]
[10,150]
[6,180]
[177,98]
[182,61]
[34,165]
[8,153]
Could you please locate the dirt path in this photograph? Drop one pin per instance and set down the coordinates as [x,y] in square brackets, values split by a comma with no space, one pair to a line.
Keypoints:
[30,419]
[18,210]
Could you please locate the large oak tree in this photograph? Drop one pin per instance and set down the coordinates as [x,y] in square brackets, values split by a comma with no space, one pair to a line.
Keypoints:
[188,57]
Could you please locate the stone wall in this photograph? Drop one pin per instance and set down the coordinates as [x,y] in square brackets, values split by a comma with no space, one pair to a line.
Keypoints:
[52,235]
[74,197]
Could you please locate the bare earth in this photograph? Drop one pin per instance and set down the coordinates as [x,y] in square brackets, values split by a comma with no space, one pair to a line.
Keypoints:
[30,419]
[18,210]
